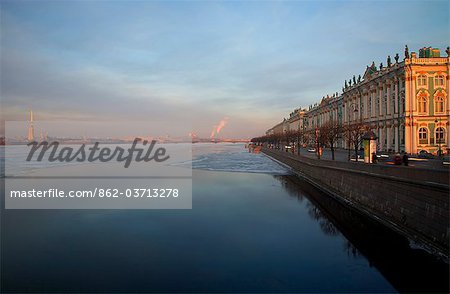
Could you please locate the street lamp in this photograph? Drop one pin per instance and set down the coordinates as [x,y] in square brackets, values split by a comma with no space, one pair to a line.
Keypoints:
[439,138]
[318,146]
[355,110]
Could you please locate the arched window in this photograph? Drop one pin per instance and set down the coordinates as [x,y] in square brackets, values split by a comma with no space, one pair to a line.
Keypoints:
[377,107]
[402,108]
[422,80]
[392,104]
[423,136]
[422,103]
[440,135]
[439,81]
[439,104]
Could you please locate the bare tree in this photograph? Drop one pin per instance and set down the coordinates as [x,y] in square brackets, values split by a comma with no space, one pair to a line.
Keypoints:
[299,136]
[330,133]
[316,138]
[354,133]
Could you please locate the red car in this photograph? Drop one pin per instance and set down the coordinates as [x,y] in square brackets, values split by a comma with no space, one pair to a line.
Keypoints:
[397,159]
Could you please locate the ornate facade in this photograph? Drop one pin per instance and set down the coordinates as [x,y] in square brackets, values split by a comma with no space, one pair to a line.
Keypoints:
[405,103]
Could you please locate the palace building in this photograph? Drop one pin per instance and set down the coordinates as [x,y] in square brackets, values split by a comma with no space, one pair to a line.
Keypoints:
[405,103]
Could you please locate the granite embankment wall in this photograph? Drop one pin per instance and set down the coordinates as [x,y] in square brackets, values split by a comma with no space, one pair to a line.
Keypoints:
[410,200]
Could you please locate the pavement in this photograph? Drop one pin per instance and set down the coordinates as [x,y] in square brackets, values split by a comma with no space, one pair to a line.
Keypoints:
[414,162]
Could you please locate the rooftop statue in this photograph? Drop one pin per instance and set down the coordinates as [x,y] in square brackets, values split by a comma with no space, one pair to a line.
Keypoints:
[396,58]
[389,63]
[406,52]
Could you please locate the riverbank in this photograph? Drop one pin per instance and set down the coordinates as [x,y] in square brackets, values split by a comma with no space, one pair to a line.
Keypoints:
[412,201]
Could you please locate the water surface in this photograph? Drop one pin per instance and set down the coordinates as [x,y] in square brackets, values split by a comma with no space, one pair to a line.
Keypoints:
[262,230]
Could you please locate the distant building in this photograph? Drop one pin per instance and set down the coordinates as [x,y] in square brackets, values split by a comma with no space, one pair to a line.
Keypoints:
[276,130]
[295,119]
[329,109]
[405,103]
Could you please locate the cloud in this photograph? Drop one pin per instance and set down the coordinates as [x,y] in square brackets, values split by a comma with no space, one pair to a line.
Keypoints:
[195,62]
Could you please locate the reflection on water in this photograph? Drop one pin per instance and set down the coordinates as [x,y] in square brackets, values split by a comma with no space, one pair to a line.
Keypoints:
[407,269]
[247,232]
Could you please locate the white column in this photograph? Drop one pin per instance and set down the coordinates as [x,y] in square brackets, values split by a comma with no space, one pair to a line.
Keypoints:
[388,137]
[412,108]
[381,138]
[396,138]
[377,131]
[414,139]
[372,104]
[388,100]
[363,111]
[380,101]
[395,96]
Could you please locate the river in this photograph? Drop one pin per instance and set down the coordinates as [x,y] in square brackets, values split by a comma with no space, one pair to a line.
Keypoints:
[253,227]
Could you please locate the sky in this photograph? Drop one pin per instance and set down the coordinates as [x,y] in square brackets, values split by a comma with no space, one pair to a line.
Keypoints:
[239,65]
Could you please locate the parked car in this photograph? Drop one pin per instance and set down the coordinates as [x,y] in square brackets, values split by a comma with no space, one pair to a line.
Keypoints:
[425,154]
[312,150]
[382,157]
[446,160]
[360,157]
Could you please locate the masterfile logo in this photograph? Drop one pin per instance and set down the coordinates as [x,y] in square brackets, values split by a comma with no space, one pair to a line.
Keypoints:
[98,165]
[95,153]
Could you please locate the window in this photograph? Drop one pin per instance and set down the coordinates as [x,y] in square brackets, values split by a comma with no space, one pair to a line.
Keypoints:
[402,135]
[393,104]
[423,136]
[439,81]
[439,102]
[440,133]
[402,103]
[422,80]
[422,102]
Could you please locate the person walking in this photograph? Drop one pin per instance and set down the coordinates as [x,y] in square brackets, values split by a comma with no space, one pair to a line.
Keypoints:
[374,157]
[405,159]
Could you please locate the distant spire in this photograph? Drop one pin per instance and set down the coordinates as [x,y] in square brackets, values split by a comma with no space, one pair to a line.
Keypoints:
[30,136]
